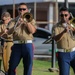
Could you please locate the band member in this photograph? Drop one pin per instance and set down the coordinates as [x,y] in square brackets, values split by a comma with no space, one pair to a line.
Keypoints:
[62,33]
[1,52]
[6,41]
[23,28]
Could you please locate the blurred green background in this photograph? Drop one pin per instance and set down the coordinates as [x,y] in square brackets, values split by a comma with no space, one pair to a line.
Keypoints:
[40,67]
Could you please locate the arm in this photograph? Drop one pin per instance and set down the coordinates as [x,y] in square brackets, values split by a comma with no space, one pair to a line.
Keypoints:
[58,36]
[2,31]
[10,27]
[10,31]
[31,26]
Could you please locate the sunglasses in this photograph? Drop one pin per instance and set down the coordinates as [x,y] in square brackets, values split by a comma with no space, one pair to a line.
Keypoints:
[4,20]
[62,15]
[20,9]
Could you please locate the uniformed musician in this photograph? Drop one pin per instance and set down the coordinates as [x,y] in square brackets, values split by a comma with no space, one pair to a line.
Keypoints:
[6,41]
[62,34]
[22,32]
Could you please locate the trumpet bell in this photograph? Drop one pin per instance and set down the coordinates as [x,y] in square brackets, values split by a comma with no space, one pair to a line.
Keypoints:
[28,16]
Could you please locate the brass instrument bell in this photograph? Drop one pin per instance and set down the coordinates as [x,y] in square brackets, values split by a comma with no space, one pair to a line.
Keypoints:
[28,16]
[72,22]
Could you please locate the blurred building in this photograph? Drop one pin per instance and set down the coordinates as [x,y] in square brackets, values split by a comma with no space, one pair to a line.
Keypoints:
[45,12]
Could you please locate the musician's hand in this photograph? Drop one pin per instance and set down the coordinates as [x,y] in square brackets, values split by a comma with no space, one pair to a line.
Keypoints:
[20,21]
[71,28]
[25,22]
[66,30]
[5,31]
[4,35]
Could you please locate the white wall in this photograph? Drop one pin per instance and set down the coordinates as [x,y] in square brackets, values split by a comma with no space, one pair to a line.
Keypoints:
[68,0]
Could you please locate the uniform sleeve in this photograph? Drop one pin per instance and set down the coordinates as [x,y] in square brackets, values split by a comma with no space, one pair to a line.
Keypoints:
[11,24]
[33,22]
[1,28]
[10,27]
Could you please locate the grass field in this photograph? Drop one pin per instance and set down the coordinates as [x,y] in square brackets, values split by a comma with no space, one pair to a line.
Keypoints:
[40,67]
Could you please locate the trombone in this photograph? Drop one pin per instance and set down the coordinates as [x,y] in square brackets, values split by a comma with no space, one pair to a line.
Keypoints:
[26,17]
[72,21]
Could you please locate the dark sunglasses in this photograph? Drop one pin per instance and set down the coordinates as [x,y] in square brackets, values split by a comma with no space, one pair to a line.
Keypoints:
[3,20]
[20,9]
[62,15]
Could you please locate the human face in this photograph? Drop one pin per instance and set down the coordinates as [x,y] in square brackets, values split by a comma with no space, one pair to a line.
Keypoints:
[6,20]
[22,9]
[64,15]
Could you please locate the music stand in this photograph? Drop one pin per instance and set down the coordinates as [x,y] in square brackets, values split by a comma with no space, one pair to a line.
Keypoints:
[48,41]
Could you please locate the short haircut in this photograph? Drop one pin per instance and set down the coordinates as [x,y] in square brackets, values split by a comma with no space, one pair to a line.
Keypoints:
[64,9]
[22,3]
[5,14]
